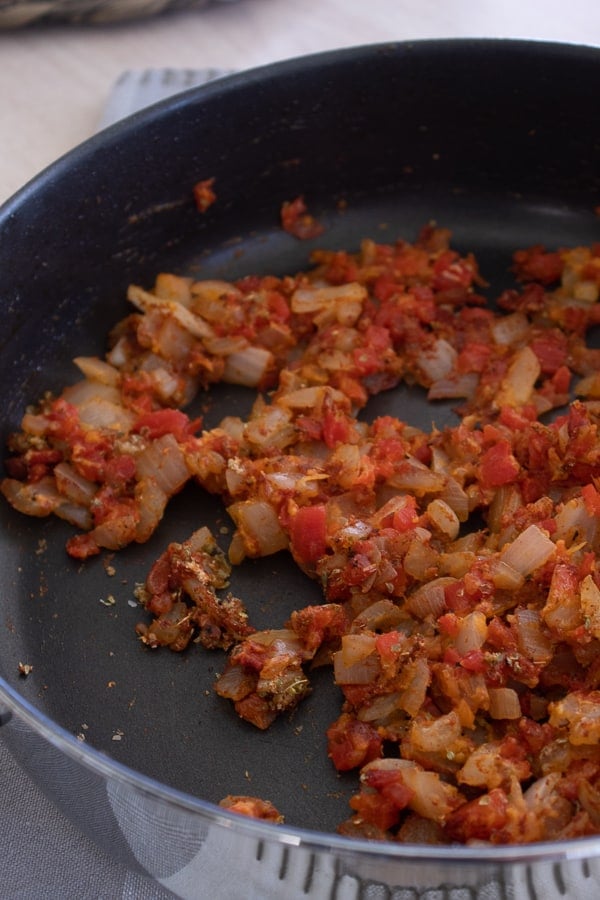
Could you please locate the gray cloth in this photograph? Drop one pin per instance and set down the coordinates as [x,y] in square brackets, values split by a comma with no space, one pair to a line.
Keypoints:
[45,857]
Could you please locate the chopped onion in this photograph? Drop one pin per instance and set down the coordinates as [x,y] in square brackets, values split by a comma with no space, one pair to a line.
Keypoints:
[356,662]
[259,527]
[383,615]
[532,640]
[518,384]
[173,287]
[285,640]
[418,676]
[454,386]
[116,532]
[35,424]
[421,558]
[483,768]
[443,518]
[429,599]
[506,502]
[438,360]
[207,297]
[99,405]
[435,735]
[225,346]
[511,329]
[413,476]
[235,683]
[589,386]
[530,550]
[363,672]
[580,714]
[504,576]
[590,605]
[380,709]
[575,524]
[75,514]
[73,485]
[147,302]
[456,498]
[472,633]
[313,398]
[164,461]
[247,367]
[38,499]
[342,303]
[431,797]
[504,703]
[348,461]
[96,369]
[151,500]
[272,429]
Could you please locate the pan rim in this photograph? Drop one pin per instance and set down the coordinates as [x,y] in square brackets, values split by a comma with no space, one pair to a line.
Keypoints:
[55,734]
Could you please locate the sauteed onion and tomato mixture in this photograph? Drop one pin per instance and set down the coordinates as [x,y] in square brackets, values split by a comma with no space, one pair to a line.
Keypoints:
[459,567]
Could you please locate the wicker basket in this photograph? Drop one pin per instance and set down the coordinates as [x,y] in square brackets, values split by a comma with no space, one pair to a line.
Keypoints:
[19,13]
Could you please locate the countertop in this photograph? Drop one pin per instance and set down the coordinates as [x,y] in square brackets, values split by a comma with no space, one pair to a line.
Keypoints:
[55,79]
[54,83]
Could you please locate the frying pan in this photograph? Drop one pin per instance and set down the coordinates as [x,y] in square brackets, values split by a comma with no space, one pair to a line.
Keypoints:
[496,140]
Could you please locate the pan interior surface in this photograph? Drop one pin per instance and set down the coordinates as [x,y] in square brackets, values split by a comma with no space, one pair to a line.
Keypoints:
[484,138]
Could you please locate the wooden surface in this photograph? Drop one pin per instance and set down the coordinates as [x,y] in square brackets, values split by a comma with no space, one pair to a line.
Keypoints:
[55,80]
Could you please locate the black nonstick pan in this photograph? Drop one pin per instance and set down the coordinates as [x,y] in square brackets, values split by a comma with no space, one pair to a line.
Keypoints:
[497,141]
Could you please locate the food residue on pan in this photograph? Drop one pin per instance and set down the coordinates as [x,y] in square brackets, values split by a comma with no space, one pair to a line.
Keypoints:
[204,194]
[459,565]
[253,807]
[298,221]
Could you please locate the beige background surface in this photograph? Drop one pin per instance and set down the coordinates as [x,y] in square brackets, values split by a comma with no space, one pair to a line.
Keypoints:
[54,83]
[55,80]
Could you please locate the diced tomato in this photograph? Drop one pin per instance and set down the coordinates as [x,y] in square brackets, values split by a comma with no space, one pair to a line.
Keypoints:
[367,360]
[316,624]
[120,469]
[591,498]
[479,819]
[39,463]
[473,357]
[449,623]
[551,350]
[537,264]
[336,428]
[450,271]
[474,661]
[456,597]
[388,646]
[352,743]
[255,709]
[561,380]
[166,421]
[375,810]
[340,268]
[297,221]
[89,457]
[406,517]
[82,546]
[498,465]
[308,533]
[278,306]
[390,785]
[251,654]
[64,418]
[501,635]
[311,427]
